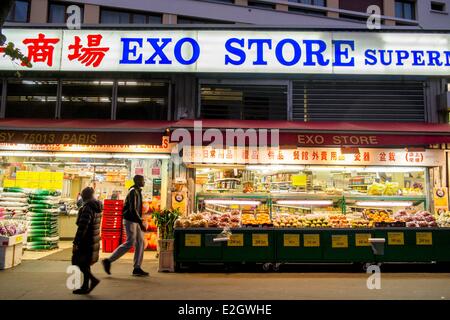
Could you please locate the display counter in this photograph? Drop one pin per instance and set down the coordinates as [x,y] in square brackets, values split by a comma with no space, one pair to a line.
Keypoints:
[327,245]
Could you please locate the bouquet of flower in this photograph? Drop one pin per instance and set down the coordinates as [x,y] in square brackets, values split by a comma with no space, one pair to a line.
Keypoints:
[164,220]
[9,228]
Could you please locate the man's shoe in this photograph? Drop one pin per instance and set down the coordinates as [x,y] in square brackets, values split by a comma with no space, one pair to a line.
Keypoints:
[138,272]
[106,265]
[94,283]
[81,291]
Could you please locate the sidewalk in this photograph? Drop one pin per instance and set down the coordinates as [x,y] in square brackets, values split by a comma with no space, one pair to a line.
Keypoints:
[46,279]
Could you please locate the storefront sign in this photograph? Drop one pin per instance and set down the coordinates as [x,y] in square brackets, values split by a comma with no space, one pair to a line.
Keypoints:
[362,239]
[260,240]
[164,147]
[291,240]
[82,138]
[359,140]
[236,240]
[339,241]
[424,238]
[311,240]
[396,238]
[192,240]
[239,51]
[315,156]
[440,197]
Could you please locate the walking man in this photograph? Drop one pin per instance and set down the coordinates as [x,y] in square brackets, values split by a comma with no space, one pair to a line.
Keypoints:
[134,228]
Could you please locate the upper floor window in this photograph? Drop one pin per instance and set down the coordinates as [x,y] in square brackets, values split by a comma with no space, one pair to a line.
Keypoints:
[405,10]
[126,17]
[262,5]
[57,12]
[191,20]
[320,3]
[19,11]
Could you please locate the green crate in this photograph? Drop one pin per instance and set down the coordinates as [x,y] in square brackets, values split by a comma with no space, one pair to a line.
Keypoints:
[340,245]
[195,245]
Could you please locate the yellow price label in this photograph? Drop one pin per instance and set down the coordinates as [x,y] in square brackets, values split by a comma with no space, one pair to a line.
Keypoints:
[311,240]
[339,241]
[424,238]
[192,240]
[396,238]
[291,240]
[236,240]
[260,240]
[362,239]
[19,239]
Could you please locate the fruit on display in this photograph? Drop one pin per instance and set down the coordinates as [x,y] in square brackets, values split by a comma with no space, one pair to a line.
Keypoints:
[376,189]
[378,215]
[288,221]
[212,220]
[316,221]
[360,223]
[415,218]
[338,221]
[9,228]
[256,219]
[444,220]
[391,189]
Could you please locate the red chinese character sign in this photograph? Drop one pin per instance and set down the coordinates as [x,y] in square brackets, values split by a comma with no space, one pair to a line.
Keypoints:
[41,49]
[318,156]
[90,54]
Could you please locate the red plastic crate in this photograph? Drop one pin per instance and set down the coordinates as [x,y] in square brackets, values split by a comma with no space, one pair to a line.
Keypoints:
[111,233]
[113,202]
[110,244]
[112,213]
[109,208]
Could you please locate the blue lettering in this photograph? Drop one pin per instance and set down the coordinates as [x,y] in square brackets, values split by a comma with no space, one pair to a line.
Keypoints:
[279,52]
[159,51]
[236,51]
[447,56]
[260,49]
[418,58]
[195,51]
[402,55]
[127,50]
[318,53]
[384,61]
[341,53]
[433,57]
[371,57]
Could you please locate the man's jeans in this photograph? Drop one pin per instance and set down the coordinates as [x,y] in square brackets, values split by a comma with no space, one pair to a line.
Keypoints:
[135,236]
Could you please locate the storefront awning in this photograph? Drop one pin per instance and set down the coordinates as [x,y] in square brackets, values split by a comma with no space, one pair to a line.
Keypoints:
[99,132]
[363,134]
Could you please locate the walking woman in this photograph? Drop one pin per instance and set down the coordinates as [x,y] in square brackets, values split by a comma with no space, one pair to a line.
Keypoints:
[86,245]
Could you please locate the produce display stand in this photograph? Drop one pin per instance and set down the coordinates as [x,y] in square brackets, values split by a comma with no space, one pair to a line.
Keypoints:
[283,245]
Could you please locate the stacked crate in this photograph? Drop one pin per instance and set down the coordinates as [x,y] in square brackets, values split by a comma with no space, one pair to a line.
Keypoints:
[111,224]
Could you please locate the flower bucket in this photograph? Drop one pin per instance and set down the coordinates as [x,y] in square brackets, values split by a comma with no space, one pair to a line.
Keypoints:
[166,258]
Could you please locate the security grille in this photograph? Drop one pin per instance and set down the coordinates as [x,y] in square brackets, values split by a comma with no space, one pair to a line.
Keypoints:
[321,100]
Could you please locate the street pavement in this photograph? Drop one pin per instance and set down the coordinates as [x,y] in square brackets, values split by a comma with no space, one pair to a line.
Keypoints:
[46,279]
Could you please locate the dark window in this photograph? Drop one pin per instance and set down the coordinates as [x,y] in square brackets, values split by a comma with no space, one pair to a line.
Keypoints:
[19,11]
[320,3]
[359,6]
[225,1]
[262,5]
[306,11]
[86,99]
[244,102]
[363,100]
[438,6]
[191,20]
[57,12]
[125,17]
[31,99]
[405,10]
[142,100]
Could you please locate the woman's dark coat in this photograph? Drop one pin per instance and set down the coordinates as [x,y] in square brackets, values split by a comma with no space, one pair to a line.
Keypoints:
[87,239]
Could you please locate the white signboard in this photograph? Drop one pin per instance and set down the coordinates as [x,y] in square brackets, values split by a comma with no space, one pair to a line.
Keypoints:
[238,51]
[314,156]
